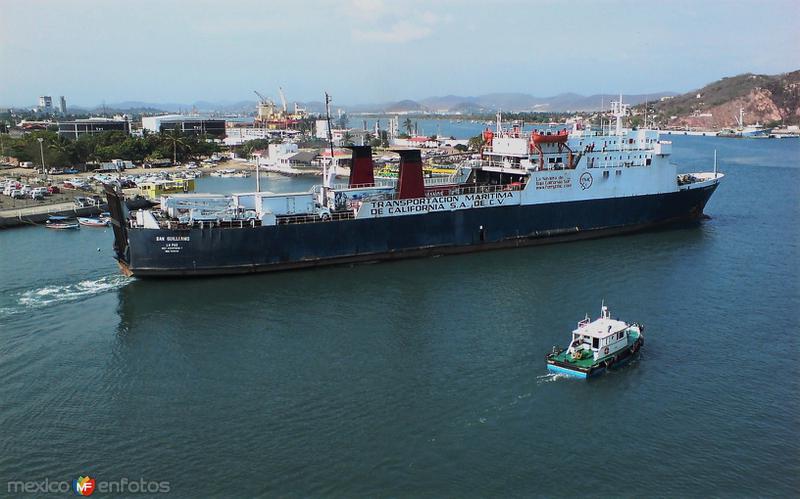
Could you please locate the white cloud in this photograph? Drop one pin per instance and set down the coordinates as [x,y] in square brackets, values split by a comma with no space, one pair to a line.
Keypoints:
[396,25]
[399,32]
[368,9]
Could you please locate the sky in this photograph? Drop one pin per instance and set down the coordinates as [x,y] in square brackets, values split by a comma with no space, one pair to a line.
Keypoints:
[368,51]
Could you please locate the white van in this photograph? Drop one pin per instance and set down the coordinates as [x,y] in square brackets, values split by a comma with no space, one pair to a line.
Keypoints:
[11,186]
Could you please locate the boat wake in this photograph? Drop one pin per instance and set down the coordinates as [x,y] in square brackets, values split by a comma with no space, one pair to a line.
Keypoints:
[55,294]
[549,378]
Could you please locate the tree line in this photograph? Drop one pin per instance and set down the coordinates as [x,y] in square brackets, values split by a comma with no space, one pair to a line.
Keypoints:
[59,151]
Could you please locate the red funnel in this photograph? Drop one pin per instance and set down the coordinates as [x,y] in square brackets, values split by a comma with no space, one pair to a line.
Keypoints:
[411,183]
[361,169]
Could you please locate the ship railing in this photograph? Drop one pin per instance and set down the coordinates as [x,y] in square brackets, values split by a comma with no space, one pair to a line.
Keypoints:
[488,188]
[392,182]
[314,218]
[631,147]
[379,182]
[500,164]
[439,180]
[206,224]
[615,164]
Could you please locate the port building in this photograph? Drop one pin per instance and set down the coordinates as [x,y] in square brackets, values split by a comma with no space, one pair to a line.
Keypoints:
[76,128]
[236,136]
[195,125]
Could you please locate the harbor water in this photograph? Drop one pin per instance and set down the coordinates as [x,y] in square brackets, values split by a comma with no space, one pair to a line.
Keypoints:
[423,377]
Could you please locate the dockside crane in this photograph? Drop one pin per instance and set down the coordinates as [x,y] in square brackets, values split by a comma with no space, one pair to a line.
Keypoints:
[264,100]
[283,99]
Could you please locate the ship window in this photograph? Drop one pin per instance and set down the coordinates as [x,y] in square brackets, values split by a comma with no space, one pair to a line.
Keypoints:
[595,342]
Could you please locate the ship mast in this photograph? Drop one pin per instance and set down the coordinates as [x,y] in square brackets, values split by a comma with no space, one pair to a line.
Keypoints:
[325,169]
[619,110]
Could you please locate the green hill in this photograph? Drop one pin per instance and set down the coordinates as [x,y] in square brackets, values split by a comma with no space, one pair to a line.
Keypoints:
[768,99]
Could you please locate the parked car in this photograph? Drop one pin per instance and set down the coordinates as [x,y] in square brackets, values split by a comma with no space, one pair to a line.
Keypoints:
[70,171]
[17,194]
[53,189]
[37,194]
[79,183]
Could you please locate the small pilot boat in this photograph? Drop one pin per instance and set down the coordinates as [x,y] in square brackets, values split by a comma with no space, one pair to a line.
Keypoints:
[57,222]
[596,346]
[93,222]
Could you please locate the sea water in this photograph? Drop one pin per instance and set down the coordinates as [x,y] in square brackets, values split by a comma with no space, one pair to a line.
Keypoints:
[421,377]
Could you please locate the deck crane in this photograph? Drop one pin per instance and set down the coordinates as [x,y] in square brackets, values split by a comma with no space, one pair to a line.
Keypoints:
[264,100]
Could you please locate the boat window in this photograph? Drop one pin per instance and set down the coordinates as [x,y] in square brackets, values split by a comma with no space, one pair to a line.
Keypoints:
[595,342]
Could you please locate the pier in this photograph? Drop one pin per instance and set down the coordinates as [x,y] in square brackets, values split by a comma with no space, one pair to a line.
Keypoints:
[33,215]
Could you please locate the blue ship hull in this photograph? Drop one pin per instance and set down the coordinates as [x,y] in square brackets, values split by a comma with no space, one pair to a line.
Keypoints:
[208,251]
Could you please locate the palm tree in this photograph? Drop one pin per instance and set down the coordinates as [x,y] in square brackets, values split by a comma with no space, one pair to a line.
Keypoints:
[63,147]
[408,125]
[347,139]
[175,138]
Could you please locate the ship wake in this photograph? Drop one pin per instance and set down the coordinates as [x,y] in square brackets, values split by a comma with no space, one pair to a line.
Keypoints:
[550,377]
[55,294]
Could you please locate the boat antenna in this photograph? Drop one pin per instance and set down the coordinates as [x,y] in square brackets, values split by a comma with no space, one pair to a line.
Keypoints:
[715,163]
[602,110]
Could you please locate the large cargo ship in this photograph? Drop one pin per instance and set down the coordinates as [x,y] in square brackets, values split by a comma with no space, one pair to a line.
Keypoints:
[528,187]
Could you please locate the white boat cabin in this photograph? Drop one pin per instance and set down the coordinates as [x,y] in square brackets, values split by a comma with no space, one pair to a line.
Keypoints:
[603,336]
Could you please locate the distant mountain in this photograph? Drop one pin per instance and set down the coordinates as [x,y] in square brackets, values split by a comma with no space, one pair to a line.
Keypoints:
[447,102]
[404,106]
[486,103]
[203,107]
[525,102]
[763,98]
